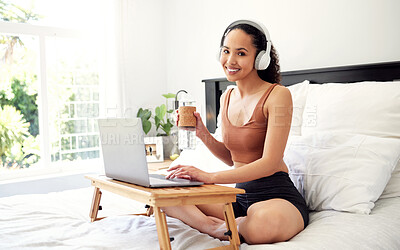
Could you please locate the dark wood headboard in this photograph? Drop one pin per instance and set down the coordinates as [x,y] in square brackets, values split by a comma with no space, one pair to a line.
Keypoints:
[346,74]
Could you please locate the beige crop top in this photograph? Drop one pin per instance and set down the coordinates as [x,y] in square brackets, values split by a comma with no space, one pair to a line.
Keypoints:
[246,142]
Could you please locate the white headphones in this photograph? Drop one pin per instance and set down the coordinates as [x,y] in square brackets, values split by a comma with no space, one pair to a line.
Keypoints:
[263,58]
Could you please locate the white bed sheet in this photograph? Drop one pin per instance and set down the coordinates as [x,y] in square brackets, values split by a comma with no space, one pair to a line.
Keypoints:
[348,231]
[61,220]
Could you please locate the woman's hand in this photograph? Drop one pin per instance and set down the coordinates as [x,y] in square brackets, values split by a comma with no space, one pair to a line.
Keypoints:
[200,127]
[190,173]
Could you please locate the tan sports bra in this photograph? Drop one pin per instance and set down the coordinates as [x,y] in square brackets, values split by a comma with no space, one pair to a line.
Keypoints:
[246,142]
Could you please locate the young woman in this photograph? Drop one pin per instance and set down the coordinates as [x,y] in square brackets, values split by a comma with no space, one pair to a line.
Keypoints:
[256,118]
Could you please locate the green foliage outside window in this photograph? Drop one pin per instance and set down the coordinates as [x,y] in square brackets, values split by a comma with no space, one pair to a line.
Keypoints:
[13,129]
[24,102]
[18,108]
[19,126]
[11,12]
[72,98]
[17,147]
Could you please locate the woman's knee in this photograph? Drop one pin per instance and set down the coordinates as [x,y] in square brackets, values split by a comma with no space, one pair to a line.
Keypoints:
[263,227]
[272,218]
[270,222]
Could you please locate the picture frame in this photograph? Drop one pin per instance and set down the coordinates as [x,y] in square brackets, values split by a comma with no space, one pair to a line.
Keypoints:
[154,149]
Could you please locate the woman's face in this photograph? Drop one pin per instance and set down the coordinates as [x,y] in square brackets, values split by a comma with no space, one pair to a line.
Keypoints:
[237,55]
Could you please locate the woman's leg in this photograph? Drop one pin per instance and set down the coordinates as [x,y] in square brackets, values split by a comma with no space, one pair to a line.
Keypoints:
[270,221]
[267,221]
[215,210]
[207,219]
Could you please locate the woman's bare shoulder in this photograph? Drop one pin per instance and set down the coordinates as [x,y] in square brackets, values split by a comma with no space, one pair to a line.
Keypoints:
[279,97]
[280,94]
[223,96]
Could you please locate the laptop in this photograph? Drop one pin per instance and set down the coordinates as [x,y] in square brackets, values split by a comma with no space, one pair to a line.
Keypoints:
[124,154]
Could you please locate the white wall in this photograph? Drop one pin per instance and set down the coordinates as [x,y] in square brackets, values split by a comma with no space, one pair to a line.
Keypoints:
[139,36]
[307,34]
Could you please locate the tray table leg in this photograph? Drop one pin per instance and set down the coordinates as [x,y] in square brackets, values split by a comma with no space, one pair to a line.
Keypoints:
[231,226]
[162,229]
[95,204]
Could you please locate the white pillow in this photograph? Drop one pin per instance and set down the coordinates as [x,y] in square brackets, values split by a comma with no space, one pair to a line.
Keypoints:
[341,171]
[370,108]
[392,189]
[299,95]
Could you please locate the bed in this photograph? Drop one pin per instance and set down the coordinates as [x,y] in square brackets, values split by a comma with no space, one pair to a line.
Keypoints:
[343,153]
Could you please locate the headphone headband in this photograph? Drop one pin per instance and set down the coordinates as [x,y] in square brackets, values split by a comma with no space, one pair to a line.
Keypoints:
[256,25]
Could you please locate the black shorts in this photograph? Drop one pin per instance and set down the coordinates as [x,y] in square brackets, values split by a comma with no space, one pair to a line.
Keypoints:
[278,185]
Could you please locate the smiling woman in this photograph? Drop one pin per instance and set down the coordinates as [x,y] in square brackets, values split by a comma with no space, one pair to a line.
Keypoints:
[256,118]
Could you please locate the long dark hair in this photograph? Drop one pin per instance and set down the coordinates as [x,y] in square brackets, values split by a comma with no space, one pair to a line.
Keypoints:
[271,74]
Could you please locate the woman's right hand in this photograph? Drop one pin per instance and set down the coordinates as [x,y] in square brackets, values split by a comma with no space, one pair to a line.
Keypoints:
[200,127]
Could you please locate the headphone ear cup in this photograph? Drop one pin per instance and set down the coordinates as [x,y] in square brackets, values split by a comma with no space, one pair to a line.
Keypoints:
[263,58]
[260,61]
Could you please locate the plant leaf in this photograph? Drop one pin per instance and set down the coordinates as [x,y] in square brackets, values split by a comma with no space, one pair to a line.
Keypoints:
[146,126]
[158,111]
[145,114]
[161,111]
[169,95]
[167,128]
[157,122]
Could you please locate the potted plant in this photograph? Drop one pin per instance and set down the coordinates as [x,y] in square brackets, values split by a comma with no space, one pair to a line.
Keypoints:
[162,121]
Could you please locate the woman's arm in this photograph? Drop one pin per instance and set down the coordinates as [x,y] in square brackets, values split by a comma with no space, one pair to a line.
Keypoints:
[278,109]
[216,147]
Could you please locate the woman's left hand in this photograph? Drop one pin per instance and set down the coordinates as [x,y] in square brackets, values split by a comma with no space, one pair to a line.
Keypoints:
[190,173]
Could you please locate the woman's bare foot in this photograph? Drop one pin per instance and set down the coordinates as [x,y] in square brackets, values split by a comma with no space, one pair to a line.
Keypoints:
[218,229]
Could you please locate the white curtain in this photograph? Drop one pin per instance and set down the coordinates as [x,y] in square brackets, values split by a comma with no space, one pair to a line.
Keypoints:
[112,70]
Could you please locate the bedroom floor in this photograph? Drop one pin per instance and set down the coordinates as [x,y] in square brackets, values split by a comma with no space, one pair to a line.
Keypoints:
[45,185]
[60,182]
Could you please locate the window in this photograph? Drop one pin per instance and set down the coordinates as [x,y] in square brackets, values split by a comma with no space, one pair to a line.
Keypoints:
[49,87]
[73,99]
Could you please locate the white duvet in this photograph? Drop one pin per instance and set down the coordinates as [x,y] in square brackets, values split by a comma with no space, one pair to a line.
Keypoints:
[61,220]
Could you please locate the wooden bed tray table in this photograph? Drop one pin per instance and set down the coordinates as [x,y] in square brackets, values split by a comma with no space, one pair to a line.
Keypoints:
[156,198]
